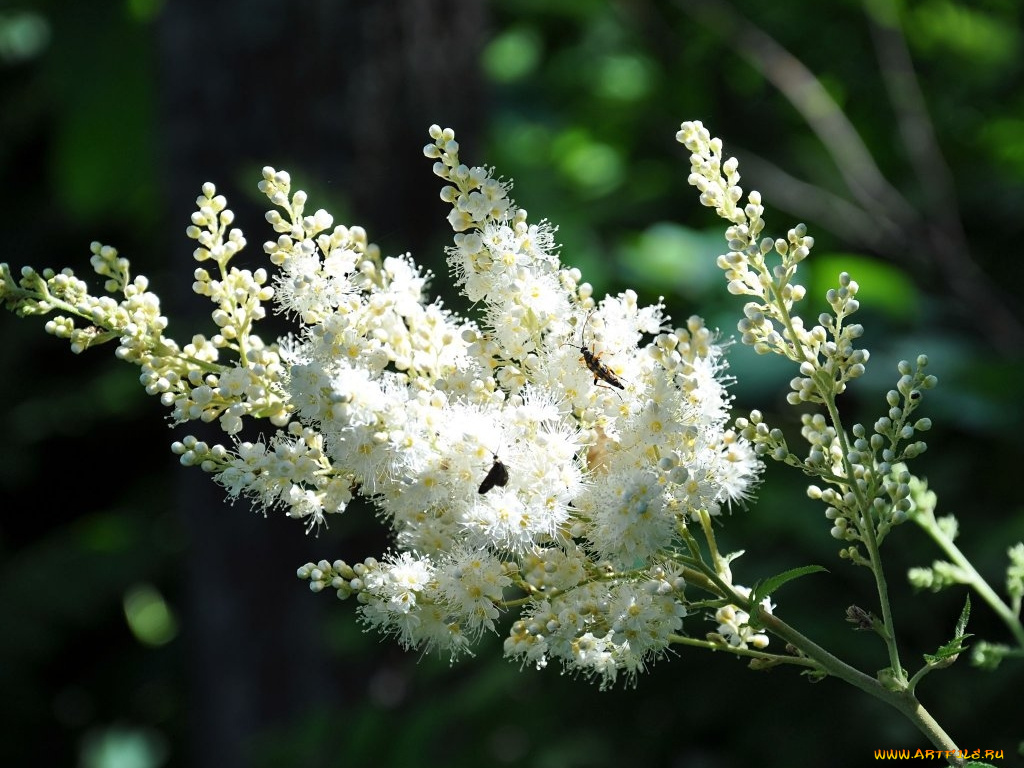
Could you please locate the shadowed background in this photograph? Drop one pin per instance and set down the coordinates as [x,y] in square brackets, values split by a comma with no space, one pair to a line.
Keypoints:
[146,621]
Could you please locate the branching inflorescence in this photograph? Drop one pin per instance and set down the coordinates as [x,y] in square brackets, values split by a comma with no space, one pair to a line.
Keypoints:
[559,458]
[586,539]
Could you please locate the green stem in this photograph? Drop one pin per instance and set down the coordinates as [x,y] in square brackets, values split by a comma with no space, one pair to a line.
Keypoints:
[826,391]
[918,677]
[870,540]
[721,567]
[903,702]
[769,658]
[974,579]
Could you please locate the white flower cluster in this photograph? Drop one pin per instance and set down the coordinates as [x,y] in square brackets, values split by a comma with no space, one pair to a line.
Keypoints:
[546,448]
[547,457]
[734,623]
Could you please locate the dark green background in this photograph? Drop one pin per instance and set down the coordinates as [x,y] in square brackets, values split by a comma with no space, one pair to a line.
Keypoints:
[112,115]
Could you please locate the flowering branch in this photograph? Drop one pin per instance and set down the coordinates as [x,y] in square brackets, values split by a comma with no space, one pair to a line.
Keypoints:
[868,488]
[561,459]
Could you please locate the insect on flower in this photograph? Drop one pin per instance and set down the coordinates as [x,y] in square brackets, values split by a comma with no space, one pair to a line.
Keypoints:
[496,475]
[593,361]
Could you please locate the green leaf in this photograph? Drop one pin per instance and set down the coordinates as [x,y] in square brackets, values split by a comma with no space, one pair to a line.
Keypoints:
[766,587]
[946,654]
[965,615]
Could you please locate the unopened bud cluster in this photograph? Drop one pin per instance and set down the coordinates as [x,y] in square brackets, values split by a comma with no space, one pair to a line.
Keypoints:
[868,487]
[870,483]
[825,353]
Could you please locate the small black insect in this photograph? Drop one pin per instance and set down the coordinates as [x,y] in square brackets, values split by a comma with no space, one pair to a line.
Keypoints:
[593,361]
[496,475]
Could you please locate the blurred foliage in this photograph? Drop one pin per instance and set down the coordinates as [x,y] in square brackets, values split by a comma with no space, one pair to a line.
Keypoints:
[584,98]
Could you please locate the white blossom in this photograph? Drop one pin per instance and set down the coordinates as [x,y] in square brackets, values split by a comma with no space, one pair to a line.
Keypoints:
[543,458]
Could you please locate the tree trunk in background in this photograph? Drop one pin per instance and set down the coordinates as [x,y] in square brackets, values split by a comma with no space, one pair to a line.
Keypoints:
[342,93]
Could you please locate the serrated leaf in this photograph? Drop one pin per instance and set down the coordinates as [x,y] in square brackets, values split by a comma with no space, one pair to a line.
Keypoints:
[948,651]
[965,614]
